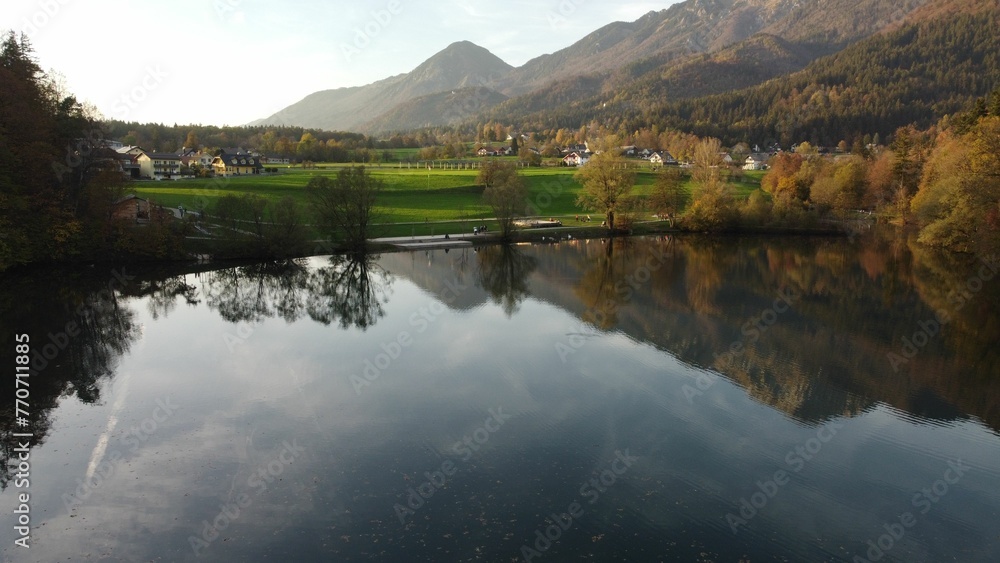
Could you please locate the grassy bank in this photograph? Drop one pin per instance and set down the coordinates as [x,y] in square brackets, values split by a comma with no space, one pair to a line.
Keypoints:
[416,200]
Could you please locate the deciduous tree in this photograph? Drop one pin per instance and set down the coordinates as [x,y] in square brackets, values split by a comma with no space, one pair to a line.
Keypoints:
[606,180]
[669,198]
[347,206]
[506,195]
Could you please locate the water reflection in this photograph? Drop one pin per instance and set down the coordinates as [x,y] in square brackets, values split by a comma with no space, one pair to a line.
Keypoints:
[80,327]
[660,308]
[503,273]
[350,291]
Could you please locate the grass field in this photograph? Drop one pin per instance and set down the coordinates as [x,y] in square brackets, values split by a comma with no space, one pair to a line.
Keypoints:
[412,196]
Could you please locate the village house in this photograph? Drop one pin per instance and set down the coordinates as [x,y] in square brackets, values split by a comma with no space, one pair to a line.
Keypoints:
[129,165]
[663,158]
[490,151]
[236,162]
[756,161]
[131,208]
[130,150]
[575,159]
[159,166]
[192,157]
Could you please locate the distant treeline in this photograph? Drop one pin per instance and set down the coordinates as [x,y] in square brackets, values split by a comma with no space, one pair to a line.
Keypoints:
[295,143]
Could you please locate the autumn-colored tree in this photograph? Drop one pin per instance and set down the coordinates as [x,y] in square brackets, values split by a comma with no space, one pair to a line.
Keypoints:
[783,165]
[606,180]
[708,166]
[714,203]
[506,195]
[880,181]
[958,202]
[669,198]
[840,186]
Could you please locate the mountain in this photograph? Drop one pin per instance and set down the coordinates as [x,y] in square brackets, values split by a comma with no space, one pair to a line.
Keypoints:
[687,28]
[830,25]
[687,65]
[755,41]
[444,108]
[460,65]
[915,74]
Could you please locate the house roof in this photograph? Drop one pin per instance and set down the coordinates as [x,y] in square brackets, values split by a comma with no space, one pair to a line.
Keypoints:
[129,198]
[162,156]
[238,160]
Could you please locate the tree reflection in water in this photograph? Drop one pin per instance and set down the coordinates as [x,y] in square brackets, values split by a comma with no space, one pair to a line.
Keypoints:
[350,291]
[79,330]
[503,272]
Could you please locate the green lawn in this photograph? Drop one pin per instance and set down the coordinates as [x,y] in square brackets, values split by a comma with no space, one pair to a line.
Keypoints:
[414,195]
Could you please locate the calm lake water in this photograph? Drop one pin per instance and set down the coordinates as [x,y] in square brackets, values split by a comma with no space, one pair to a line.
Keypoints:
[660,399]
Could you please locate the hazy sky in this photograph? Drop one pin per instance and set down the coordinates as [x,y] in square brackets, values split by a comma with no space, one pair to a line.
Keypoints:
[233,61]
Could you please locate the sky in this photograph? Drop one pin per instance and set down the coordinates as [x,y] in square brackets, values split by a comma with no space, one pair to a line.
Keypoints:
[229,62]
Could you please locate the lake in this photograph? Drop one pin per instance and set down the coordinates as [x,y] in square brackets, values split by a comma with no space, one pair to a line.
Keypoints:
[651,399]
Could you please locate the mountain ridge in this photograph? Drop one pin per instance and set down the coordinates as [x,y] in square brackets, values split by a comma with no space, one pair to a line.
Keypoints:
[690,50]
[461,64]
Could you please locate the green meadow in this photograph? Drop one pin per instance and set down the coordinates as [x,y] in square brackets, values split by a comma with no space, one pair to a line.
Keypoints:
[412,196]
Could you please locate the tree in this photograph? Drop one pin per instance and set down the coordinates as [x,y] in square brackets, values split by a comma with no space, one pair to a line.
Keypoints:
[669,198]
[708,162]
[714,206]
[784,165]
[191,141]
[958,203]
[347,206]
[529,157]
[606,180]
[493,172]
[507,196]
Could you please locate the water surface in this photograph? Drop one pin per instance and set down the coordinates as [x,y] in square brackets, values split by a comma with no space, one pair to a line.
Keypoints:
[661,399]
